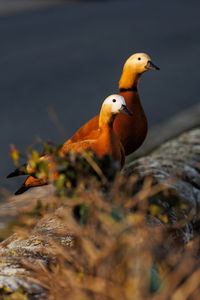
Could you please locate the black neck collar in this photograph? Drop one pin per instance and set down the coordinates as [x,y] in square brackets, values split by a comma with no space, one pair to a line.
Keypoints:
[133,89]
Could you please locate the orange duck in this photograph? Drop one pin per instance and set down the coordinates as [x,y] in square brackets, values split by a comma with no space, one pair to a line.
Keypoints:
[131,130]
[106,141]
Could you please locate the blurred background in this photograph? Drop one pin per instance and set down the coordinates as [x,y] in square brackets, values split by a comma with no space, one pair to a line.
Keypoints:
[60,59]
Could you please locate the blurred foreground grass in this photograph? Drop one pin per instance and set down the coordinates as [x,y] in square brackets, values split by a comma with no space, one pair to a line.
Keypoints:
[105,236]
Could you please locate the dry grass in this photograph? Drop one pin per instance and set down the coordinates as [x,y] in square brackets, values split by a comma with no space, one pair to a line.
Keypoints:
[119,243]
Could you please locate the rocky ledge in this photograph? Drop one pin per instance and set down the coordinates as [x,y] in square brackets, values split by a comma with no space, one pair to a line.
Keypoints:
[28,263]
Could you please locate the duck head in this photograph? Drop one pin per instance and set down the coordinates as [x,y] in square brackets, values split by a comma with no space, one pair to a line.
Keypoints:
[140,62]
[135,65]
[112,105]
[116,104]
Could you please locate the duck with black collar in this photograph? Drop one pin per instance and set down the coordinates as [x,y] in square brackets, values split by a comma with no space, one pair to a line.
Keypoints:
[131,130]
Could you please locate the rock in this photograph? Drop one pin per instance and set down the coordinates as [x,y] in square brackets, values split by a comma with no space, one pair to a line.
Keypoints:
[175,165]
[179,160]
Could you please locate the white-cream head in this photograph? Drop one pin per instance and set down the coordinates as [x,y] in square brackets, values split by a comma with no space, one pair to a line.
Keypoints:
[116,104]
[140,62]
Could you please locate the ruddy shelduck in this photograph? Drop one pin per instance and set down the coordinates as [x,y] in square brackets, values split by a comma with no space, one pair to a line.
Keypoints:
[131,130]
[106,142]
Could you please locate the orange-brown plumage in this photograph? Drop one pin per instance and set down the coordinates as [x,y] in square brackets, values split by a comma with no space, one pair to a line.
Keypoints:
[131,130]
[106,141]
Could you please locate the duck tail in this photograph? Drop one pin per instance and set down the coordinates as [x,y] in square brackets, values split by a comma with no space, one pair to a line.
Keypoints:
[31,182]
[22,189]
[19,171]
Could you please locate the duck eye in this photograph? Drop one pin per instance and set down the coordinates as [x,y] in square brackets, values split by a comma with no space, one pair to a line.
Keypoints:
[114,100]
[139,58]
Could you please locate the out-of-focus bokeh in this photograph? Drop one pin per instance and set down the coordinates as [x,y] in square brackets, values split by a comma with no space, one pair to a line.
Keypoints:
[60,59]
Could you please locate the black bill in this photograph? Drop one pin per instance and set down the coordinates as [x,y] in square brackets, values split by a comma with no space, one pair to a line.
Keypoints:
[151,66]
[125,110]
